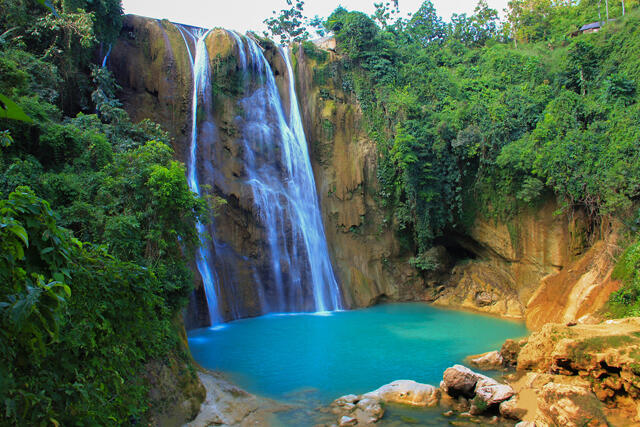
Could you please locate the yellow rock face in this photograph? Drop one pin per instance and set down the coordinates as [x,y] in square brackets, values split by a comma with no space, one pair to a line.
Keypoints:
[600,360]
[577,292]
[367,257]
[220,46]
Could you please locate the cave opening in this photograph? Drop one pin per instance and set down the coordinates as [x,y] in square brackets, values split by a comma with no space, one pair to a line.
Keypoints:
[459,247]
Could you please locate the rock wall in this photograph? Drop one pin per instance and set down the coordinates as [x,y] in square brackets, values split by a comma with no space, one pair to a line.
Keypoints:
[539,266]
[368,259]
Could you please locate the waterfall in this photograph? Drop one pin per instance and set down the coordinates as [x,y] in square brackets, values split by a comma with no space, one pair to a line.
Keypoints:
[325,284]
[201,90]
[106,57]
[280,175]
[292,271]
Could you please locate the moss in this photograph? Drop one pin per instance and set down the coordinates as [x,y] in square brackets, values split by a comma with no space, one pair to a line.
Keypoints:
[328,129]
[329,109]
[220,45]
[514,235]
[582,350]
[314,52]
[479,403]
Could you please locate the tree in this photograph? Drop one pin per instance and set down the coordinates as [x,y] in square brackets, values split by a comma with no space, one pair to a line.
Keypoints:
[387,15]
[426,26]
[478,29]
[289,24]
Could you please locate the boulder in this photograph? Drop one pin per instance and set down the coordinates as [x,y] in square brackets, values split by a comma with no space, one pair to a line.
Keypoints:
[460,380]
[347,421]
[569,406]
[407,392]
[493,394]
[490,361]
[512,409]
[510,351]
[368,410]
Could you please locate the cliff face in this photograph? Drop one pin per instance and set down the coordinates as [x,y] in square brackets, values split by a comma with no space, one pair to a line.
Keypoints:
[540,267]
[368,258]
[537,267]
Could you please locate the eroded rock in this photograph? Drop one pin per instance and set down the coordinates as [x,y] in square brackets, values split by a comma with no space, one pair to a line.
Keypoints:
[407,392]
[492,360]
[493,393]
[570,406]
[460,380]
[512,409]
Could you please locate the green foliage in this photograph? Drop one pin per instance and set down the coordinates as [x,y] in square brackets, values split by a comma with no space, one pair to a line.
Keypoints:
[467,121]
[65,40]
[80,322]
[290,24]
[73,352]
[626,301]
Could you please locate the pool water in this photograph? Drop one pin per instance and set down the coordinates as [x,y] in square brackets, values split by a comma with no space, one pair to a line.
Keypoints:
[357,351]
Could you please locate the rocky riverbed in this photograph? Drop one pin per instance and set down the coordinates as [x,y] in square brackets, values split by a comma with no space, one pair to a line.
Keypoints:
[563,375]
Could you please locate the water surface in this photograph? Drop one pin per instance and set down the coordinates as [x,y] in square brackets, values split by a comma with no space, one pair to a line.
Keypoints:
[281,356]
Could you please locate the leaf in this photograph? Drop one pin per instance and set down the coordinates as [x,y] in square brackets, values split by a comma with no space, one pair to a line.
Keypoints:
[21,233]
[10,110]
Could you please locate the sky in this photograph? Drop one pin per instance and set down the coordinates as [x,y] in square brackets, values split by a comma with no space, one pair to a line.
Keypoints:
[245,15]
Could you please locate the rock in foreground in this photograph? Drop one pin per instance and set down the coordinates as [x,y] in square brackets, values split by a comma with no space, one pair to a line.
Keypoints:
[407,392]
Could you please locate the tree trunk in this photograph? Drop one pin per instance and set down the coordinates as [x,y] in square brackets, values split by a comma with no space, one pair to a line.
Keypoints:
[606,5]
[622,7]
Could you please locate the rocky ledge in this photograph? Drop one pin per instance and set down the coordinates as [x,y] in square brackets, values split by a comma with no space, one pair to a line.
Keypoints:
[469,394]
[565,375]
[229,405]
[574,374]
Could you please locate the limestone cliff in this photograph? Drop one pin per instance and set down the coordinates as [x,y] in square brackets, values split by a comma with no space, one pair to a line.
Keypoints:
[368,258]
[540,266]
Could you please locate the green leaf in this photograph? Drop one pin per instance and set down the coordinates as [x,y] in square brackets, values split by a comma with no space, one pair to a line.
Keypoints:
[10,110]
[21,233]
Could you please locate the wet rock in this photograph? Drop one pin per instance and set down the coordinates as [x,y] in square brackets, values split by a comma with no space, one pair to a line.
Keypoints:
[349,399]
[407,392]
[492,360]
[360,409]
[347,421]
[368,410]
[459,380]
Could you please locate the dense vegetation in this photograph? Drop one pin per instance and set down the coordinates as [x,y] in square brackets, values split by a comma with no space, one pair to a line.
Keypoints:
[482,116]
[97,225]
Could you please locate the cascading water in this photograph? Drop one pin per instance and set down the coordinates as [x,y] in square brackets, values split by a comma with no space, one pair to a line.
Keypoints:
[293,272]
[280,175]
[201,91]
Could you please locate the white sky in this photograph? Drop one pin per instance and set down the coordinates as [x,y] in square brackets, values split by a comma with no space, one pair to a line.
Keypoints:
[244,15]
